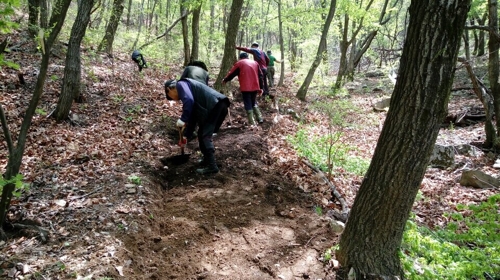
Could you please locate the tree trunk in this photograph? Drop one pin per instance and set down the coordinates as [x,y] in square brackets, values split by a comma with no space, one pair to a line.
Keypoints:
[301,94]
[33,12]
[44,13]
[493,71]
[129,8]
[16,153]
[481,44]
[107,42]
[282,46]
[370,243]
[195,30]
[344,45]
[72,70]
[229,57]
[139,28]
[185,32]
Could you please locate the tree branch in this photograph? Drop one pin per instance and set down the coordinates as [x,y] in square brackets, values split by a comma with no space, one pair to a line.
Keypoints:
[166,32]
[345,209]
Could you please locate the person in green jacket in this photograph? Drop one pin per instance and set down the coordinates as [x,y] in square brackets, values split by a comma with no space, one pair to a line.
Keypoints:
[270,68]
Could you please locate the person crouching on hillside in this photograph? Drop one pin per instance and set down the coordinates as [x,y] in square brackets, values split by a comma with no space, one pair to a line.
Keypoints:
[201,105]
[251,80]
[138,58]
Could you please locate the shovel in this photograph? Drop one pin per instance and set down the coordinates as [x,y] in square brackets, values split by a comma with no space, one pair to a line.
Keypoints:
[178,159]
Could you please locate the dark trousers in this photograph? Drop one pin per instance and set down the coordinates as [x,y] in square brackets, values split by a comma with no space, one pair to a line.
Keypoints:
[249,99]
[265,90]
[212,124]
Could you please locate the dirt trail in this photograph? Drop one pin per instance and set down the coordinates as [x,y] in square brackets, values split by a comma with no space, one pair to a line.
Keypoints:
[246,222]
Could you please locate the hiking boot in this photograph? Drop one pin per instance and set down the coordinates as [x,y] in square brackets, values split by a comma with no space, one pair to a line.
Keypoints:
[210,167]
[251,120]
[202,162]
[258,114]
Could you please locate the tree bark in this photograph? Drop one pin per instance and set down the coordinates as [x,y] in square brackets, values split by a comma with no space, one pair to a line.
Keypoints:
[493,71]
[301,94]
[195,30]
[107,42]
[229,57]
[282,46]
[44,13]
[72,70]
[33,12]
[370,243]
[185,32]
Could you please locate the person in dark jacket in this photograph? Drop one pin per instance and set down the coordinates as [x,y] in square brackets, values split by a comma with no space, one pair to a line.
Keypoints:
[201,105]
[138,58]
[251,80]
[196,70]
[261,58]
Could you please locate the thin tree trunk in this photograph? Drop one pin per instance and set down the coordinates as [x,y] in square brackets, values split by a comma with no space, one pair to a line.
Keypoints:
[33,12]
[229,57]
[195,30]
[129,8]
[107,42]
[185,32]
[16,153]
[301,94]
[72,70]
[370,244]
[44,13]
[282,46]
[493,71]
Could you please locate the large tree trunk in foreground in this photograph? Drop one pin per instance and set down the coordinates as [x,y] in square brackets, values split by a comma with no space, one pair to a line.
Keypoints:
[371,240]
[72,70]
[301,94]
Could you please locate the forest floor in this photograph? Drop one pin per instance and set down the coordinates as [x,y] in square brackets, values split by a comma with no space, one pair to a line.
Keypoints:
[112,210]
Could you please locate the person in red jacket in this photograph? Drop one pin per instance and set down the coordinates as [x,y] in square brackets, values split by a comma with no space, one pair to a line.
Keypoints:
[261,58]
[251,79]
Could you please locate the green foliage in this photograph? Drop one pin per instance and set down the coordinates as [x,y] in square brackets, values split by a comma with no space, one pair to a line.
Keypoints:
[6,25]
[136,180]
[327,256]
[20,186]
[6,10]
[318,210]
[316,149]
[41,111]
[467,248]
[327,151]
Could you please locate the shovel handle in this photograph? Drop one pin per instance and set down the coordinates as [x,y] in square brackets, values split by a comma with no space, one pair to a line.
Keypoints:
[181,130]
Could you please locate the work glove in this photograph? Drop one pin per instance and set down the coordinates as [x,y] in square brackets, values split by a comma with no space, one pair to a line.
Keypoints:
[182,142]
[180,123]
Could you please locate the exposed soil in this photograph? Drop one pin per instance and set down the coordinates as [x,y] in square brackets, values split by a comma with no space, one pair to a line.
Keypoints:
[256,219]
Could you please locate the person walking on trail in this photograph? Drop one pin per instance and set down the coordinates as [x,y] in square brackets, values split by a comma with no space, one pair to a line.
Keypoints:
[138,58]
[201,105]
[270,68]
[261,58]
[251,80]
[196,70]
